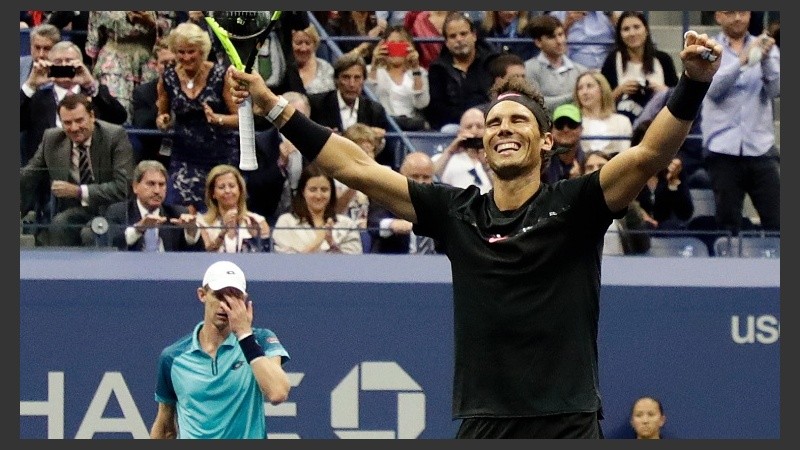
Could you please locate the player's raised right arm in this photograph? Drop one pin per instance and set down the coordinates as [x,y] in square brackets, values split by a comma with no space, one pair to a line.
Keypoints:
[341,158]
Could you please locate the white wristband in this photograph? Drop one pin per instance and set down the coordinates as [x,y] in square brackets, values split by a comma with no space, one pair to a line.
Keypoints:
[276,110]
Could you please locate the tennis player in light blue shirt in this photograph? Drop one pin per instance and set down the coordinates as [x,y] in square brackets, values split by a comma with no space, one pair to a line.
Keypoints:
[214,381]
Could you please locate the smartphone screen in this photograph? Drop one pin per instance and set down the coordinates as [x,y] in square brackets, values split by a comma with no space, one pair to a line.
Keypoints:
[62,71]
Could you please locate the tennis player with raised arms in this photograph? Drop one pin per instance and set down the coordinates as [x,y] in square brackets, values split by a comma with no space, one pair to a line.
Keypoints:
[525,257]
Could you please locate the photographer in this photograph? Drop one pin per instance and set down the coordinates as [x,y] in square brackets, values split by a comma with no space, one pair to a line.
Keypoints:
[42,91]
[463,162]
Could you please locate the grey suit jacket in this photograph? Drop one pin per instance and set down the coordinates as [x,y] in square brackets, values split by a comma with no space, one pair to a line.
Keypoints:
[112,164]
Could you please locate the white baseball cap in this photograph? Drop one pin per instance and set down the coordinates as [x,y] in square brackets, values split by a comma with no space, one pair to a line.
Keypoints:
[224,274]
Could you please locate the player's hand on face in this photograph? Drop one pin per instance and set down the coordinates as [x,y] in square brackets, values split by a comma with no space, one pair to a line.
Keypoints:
[238,308]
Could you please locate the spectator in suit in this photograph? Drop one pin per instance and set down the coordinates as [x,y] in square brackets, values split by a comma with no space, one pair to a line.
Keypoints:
[347,104]
[145,109]
[144,222]
[458,78]
[40,94]
[391,234]
[89,162]
[42,39]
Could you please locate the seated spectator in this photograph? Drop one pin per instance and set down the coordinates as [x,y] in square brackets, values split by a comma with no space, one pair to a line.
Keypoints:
[316,72]
[347,104]
[392,235]
[145,109]
[144,222]
[636,69]
[566,156]
[508,25]
[398,81]
[227,225]
[600,119]
[647,418]
[274,60]
[463,162]
[271,186]
[665,197]
[426,24]
[551,70]
[350,202]
[459,78]
[587,34]
[356,23]
[42,39]
[88,164]
[313,225]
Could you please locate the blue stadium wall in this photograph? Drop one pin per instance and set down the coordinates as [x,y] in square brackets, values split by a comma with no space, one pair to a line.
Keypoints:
[370,339]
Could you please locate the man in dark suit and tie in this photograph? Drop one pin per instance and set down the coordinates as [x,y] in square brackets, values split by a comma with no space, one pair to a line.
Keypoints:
[347,104]
[145,223]
[393,235]
[89,162]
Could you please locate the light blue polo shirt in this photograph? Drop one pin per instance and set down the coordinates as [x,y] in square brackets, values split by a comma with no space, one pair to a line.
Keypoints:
[216,398]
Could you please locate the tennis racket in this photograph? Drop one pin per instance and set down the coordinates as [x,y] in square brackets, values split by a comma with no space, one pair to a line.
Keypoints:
[240,33]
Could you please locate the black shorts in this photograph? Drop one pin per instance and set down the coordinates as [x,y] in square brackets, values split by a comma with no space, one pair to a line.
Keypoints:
[558,426]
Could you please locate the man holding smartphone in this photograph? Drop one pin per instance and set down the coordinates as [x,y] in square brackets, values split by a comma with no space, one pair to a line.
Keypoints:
[463,162]
[52,78]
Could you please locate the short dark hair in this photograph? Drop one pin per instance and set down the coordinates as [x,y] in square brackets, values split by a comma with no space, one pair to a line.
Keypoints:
[543,25]
[71,101]
[347,61]
[500,63]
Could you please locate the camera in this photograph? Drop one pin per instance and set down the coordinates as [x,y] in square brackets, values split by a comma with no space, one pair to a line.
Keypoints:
[473,142]
[62,71]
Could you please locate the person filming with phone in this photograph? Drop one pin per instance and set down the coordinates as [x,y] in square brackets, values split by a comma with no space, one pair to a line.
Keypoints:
[398,81]
[463,162]
[51,78]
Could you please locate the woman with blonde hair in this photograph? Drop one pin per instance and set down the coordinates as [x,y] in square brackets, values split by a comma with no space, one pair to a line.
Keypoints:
[601,120]
[316,73]
[228,226]
[194,101]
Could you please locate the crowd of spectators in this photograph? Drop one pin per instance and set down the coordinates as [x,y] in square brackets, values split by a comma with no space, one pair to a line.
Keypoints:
[157,77]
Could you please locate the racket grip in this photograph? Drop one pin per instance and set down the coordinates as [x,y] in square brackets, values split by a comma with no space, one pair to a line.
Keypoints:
[247,136]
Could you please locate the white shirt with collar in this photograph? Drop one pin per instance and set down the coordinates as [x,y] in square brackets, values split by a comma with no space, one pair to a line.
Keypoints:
[349,115]
[132,235]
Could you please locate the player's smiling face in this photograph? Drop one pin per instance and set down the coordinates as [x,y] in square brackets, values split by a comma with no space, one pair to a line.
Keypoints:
[513,140]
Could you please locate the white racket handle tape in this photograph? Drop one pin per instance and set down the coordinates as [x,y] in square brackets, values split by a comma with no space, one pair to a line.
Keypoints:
[247,136]
[706,53]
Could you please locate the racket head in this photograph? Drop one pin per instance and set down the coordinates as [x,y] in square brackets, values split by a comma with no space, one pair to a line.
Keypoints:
[242,25]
